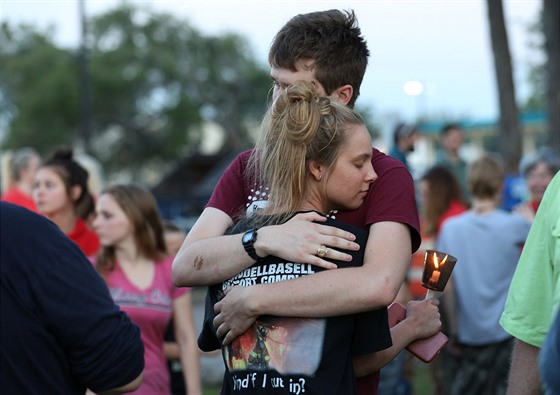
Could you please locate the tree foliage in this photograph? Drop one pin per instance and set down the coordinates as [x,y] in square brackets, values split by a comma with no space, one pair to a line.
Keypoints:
[155,80]
[544,76]
[551,28]
[38,90]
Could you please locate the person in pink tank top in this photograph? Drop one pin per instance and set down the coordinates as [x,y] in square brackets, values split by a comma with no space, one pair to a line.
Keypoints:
[136,266]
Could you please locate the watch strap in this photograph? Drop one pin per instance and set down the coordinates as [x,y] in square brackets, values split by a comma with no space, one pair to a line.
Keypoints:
[250,245]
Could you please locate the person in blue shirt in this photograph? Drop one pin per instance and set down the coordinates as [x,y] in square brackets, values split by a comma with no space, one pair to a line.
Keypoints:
[404,139]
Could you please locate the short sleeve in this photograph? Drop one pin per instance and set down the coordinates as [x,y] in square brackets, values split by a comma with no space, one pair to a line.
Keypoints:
[229,195]
[534,293]
[208,339]
[371,332]
[102,344]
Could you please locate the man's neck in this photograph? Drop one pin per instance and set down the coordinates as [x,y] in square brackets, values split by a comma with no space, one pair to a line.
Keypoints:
[483,206]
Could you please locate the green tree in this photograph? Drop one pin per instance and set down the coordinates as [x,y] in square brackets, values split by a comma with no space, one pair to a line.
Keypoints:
[544,76]
[155,80]
[38,90]
[551,28]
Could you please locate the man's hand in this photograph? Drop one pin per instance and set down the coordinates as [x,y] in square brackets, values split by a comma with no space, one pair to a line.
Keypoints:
[299,239]
[424,316]
[233,313]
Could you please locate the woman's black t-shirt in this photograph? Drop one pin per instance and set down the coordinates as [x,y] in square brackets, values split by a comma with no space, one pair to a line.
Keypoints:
[287,355]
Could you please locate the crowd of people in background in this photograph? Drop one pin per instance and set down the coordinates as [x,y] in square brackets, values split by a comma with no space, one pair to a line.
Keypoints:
[122,234]
[494,310]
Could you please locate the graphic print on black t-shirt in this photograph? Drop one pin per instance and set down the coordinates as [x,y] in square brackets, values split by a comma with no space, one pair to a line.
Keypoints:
[276,342]
[275,354]
[289,355]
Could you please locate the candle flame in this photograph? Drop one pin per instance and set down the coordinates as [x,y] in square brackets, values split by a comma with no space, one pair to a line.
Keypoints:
[436,263]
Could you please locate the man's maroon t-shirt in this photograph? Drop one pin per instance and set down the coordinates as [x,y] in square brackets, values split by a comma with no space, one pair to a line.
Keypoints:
[390,198]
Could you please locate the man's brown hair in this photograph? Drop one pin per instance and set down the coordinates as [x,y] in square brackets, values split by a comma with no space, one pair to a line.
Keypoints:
[331,42]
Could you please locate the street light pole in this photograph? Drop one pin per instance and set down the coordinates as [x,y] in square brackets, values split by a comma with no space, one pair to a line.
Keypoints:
[85,86]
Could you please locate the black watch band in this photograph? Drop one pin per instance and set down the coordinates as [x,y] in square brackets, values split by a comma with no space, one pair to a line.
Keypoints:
[248,239]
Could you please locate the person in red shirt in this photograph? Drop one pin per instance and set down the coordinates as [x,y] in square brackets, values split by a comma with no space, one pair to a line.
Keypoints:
[23,166]
[441,198]
[60,189]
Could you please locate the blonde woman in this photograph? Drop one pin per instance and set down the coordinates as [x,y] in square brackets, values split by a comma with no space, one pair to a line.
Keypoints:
[315,156]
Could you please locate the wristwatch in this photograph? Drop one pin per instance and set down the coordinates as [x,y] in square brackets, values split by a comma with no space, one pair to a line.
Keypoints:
[248,241]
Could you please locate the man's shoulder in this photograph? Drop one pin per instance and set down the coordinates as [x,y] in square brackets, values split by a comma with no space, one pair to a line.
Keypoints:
[240,162]
[383,162]
[18,217]
[244,155]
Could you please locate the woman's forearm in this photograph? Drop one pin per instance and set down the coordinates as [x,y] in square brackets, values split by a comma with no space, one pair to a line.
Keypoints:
[209,261]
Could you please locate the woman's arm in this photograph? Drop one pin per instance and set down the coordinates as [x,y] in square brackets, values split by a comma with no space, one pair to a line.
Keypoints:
[422,320]
[185,334]
[208,257]
[357,289]
[133,385]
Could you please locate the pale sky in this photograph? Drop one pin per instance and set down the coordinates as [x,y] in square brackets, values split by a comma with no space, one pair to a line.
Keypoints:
[442,43]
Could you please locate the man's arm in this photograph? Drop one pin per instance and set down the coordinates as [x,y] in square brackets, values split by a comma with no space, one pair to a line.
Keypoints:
[339,292]
[422,320]
[523,374]
[208,257]
[132,386]
[103,346]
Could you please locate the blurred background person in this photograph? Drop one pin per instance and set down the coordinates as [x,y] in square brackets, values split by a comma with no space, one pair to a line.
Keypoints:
[515,190]
[538,169]
[136,265]
[60,189]
[61,331]
[174,236]
[23,165]
[533,296]
[549,359]
[86,210]
[404,139]
[487,242]
[451,139]
[440,198]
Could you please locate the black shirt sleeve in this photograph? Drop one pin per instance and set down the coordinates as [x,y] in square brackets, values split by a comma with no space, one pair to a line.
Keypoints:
[58,318]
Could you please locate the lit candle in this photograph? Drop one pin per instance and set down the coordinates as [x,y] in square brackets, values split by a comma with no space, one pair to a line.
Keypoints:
[435,276]
[432,276]
[436,273]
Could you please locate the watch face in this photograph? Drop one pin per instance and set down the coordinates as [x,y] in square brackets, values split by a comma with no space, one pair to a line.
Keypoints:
[248,236]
